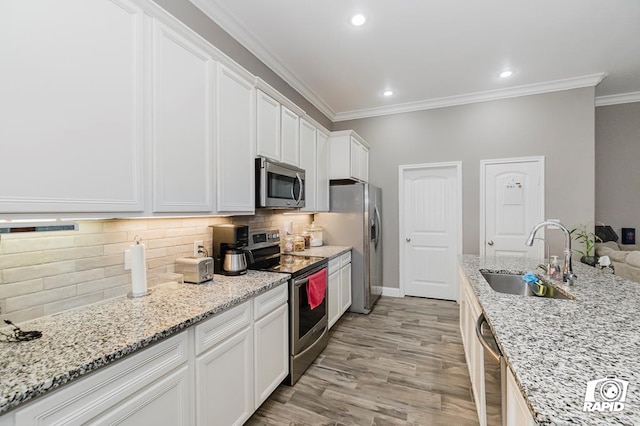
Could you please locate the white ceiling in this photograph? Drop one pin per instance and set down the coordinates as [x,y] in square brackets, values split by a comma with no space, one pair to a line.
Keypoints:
[438,52]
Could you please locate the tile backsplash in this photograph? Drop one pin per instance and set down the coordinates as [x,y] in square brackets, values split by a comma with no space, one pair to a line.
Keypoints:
[49,272]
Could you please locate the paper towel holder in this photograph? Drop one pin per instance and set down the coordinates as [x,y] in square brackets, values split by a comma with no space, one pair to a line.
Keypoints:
[131,295]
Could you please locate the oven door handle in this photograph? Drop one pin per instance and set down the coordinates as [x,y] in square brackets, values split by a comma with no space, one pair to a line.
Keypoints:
[300,283]
[324,331]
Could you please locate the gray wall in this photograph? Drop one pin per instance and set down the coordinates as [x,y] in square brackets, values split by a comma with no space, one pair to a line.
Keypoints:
[559,126]
[210,31]
[618,166]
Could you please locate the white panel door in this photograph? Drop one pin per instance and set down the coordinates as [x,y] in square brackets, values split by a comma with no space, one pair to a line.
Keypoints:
[183,90]
[512,199]
[308,155]
[431,229]
[235,142]
[71,136]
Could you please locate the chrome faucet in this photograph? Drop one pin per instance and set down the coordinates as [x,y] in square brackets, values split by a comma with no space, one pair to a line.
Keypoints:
[567,271]
[545,267]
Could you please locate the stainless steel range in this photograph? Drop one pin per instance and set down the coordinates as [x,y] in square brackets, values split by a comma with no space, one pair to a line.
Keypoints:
[308,328]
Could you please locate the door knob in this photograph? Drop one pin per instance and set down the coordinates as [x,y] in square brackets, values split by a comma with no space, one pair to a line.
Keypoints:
[490,243]
[408,240]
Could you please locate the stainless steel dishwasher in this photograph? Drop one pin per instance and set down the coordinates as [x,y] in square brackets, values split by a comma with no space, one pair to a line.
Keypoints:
[495,375]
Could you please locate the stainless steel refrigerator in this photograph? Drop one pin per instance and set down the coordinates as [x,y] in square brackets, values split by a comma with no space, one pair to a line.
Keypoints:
[355,220]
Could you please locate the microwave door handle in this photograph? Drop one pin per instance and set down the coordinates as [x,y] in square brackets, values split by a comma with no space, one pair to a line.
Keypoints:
[301,188]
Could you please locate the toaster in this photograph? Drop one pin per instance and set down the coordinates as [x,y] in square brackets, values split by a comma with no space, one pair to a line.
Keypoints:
[195,270]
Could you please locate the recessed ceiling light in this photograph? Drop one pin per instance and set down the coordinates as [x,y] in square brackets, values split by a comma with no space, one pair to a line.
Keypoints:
[387,93]
[506,74]
[358,19]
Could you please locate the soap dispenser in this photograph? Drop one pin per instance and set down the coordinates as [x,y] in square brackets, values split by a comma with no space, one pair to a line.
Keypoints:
[556,270]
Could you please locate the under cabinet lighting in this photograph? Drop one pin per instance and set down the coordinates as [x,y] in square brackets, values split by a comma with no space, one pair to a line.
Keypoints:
[31,226]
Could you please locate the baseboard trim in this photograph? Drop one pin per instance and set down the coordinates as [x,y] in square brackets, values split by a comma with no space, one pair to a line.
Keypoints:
[391,292]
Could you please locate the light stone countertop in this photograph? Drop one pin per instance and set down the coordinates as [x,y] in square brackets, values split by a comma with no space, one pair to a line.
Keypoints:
[329,252]
[81,340]
[554,347]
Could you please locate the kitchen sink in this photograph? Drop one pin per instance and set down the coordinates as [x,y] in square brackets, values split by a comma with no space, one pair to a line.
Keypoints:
[513,284]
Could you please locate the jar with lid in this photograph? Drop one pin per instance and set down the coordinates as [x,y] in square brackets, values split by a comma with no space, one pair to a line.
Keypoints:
[307,239]
[316,234]
[298,243]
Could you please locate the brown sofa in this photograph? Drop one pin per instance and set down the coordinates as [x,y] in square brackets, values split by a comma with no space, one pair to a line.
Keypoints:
[624,258]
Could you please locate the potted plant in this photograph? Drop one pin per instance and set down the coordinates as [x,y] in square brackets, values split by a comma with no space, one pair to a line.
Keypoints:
[589,239]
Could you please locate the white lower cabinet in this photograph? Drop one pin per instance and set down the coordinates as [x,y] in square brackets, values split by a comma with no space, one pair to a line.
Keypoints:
[517,411]
[152,384]
[339,287]
[215,373]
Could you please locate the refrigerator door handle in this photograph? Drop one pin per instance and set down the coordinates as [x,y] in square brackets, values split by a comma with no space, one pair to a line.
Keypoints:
[379,230]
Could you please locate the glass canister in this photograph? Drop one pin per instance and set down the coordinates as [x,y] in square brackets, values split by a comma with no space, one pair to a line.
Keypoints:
[316,234]
[298,243]
[307,239]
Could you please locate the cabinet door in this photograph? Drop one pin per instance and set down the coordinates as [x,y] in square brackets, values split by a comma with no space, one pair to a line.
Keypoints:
[165,402]
[355,150]
[345,288]
[364,164]
[271,352]
[289,137]
[308,156]
[235,142]
[268,126]
[72,133]
[517,410]
[224,382]
[322,172]
[183,117]
[334,293]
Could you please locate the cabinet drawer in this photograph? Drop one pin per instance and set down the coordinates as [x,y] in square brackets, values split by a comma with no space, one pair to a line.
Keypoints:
[334,265]
[267,302]
[89,397]
[345,258]
[221,326]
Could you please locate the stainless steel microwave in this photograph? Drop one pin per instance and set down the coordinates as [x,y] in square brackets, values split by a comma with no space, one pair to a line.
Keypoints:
[278,185]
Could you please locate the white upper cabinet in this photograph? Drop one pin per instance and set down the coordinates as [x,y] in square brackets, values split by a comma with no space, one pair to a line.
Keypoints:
[349,156]
[235,142]
[183,123]
[72,85]
[277,125]
[268,126]
[308,154]
[322,171]
[289,136]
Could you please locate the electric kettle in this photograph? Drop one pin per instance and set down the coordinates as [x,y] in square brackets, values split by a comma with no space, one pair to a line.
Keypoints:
[235,262]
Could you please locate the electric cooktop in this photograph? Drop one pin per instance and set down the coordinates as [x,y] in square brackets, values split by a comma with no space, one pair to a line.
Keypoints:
[290,264]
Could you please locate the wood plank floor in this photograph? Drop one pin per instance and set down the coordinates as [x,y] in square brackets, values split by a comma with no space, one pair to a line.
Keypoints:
[403,364]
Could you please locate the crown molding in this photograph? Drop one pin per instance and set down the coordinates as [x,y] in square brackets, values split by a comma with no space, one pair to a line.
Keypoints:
[489,95]
[621,98]
[233,27]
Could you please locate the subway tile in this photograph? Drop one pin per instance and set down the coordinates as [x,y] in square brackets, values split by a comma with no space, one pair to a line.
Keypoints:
[37,244]
[155,253]
[21,288]
[39,299]
[100,239]
[99,262]
[90,226]
[164,223]
[119,291]
[26,273]
[73,302]
[111,271]
[21,259]
[117,225]
[59,255]
[23,315]
[151,234]
[179,232]
[102,284]
[71,278]
[119,248]
[166,242]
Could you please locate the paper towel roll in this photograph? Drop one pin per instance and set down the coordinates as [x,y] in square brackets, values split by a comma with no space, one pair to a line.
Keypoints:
[138,270]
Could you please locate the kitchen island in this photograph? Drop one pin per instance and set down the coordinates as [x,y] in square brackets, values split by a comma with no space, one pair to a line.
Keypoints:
[554,347]
[80,341]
